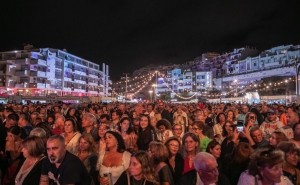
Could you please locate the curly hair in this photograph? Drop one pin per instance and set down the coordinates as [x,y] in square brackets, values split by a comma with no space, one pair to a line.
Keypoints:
[263,158]
[218,117]
[147,167]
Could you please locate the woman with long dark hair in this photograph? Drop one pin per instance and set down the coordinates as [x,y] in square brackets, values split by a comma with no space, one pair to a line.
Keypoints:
[146,133]
[115,160]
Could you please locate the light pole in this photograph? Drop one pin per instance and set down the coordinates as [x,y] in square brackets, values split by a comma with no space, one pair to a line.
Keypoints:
[150,93]
[235,81]
[154,86]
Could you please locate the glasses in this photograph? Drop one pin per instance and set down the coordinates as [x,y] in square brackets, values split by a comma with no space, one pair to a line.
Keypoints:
[213,171]
[175,146]
[195,128]
[293,154]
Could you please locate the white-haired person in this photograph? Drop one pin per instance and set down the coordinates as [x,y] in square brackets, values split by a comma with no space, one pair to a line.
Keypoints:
[205,173]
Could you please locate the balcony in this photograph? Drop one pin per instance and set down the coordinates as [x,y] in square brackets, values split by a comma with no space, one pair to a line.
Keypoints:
[38,61]
[21,72]
[38,73]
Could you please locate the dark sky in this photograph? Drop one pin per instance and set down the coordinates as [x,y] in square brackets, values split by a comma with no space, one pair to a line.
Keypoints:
[128,35]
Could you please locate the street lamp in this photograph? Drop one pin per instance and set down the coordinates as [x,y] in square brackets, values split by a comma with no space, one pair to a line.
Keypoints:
[235,81]
[154,86]
[150,93]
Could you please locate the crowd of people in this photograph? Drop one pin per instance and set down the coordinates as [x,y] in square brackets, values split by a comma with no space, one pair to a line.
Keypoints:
[149,144]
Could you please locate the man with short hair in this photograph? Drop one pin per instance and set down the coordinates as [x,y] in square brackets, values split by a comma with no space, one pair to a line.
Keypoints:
[270,124]
[242,116]
[12,120]
[64,109]
[207,168]
[88,122]
[291,118]
[62,167]
[24,123]
[164,113]
[255,138]
[150,111]
[104,119]
[205,173]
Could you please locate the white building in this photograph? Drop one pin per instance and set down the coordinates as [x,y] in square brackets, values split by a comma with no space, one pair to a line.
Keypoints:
[44,71]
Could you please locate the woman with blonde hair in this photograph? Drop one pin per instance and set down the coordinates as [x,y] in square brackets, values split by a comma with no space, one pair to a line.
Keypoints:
[181,120]
[140,171]
[87,154]
[158,153]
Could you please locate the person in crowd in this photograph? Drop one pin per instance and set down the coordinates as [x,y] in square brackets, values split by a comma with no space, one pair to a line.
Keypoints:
[114,160]
[158,153]
[50,120]
[255,138]
[291,158]
[179,119]
[62,167]
[104,119]
[214,148]
[164,113]
[208,119]
[188,150]
[132,115]
[174,161]
[208,131]
[277,137]
[128,134]
[270,124]
[244,112]
[291,118]
[230,116]
[101,145]
[218,128]
[296,139]
[150,111]
[237,161]
[12,152]
[265,167]
[59,125]
[198,127]
[12,120]
[88,122]
[250,120]
[146,133]
[115,119]
[164,127]
[24,123]
[136,124]
[87,154]
[282,114]
[71,114]
[231,136]
[259,118]
[177,131]
[71,136]
[140,171]
[207,169]
[153,121]
[29,169]
[33,117]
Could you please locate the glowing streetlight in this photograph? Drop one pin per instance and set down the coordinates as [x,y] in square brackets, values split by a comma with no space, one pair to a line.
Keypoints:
[150,93]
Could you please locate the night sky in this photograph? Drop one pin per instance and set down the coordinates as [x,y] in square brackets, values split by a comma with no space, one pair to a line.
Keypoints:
[128,35]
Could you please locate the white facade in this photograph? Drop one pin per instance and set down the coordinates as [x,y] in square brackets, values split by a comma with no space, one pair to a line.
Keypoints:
[44,71]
